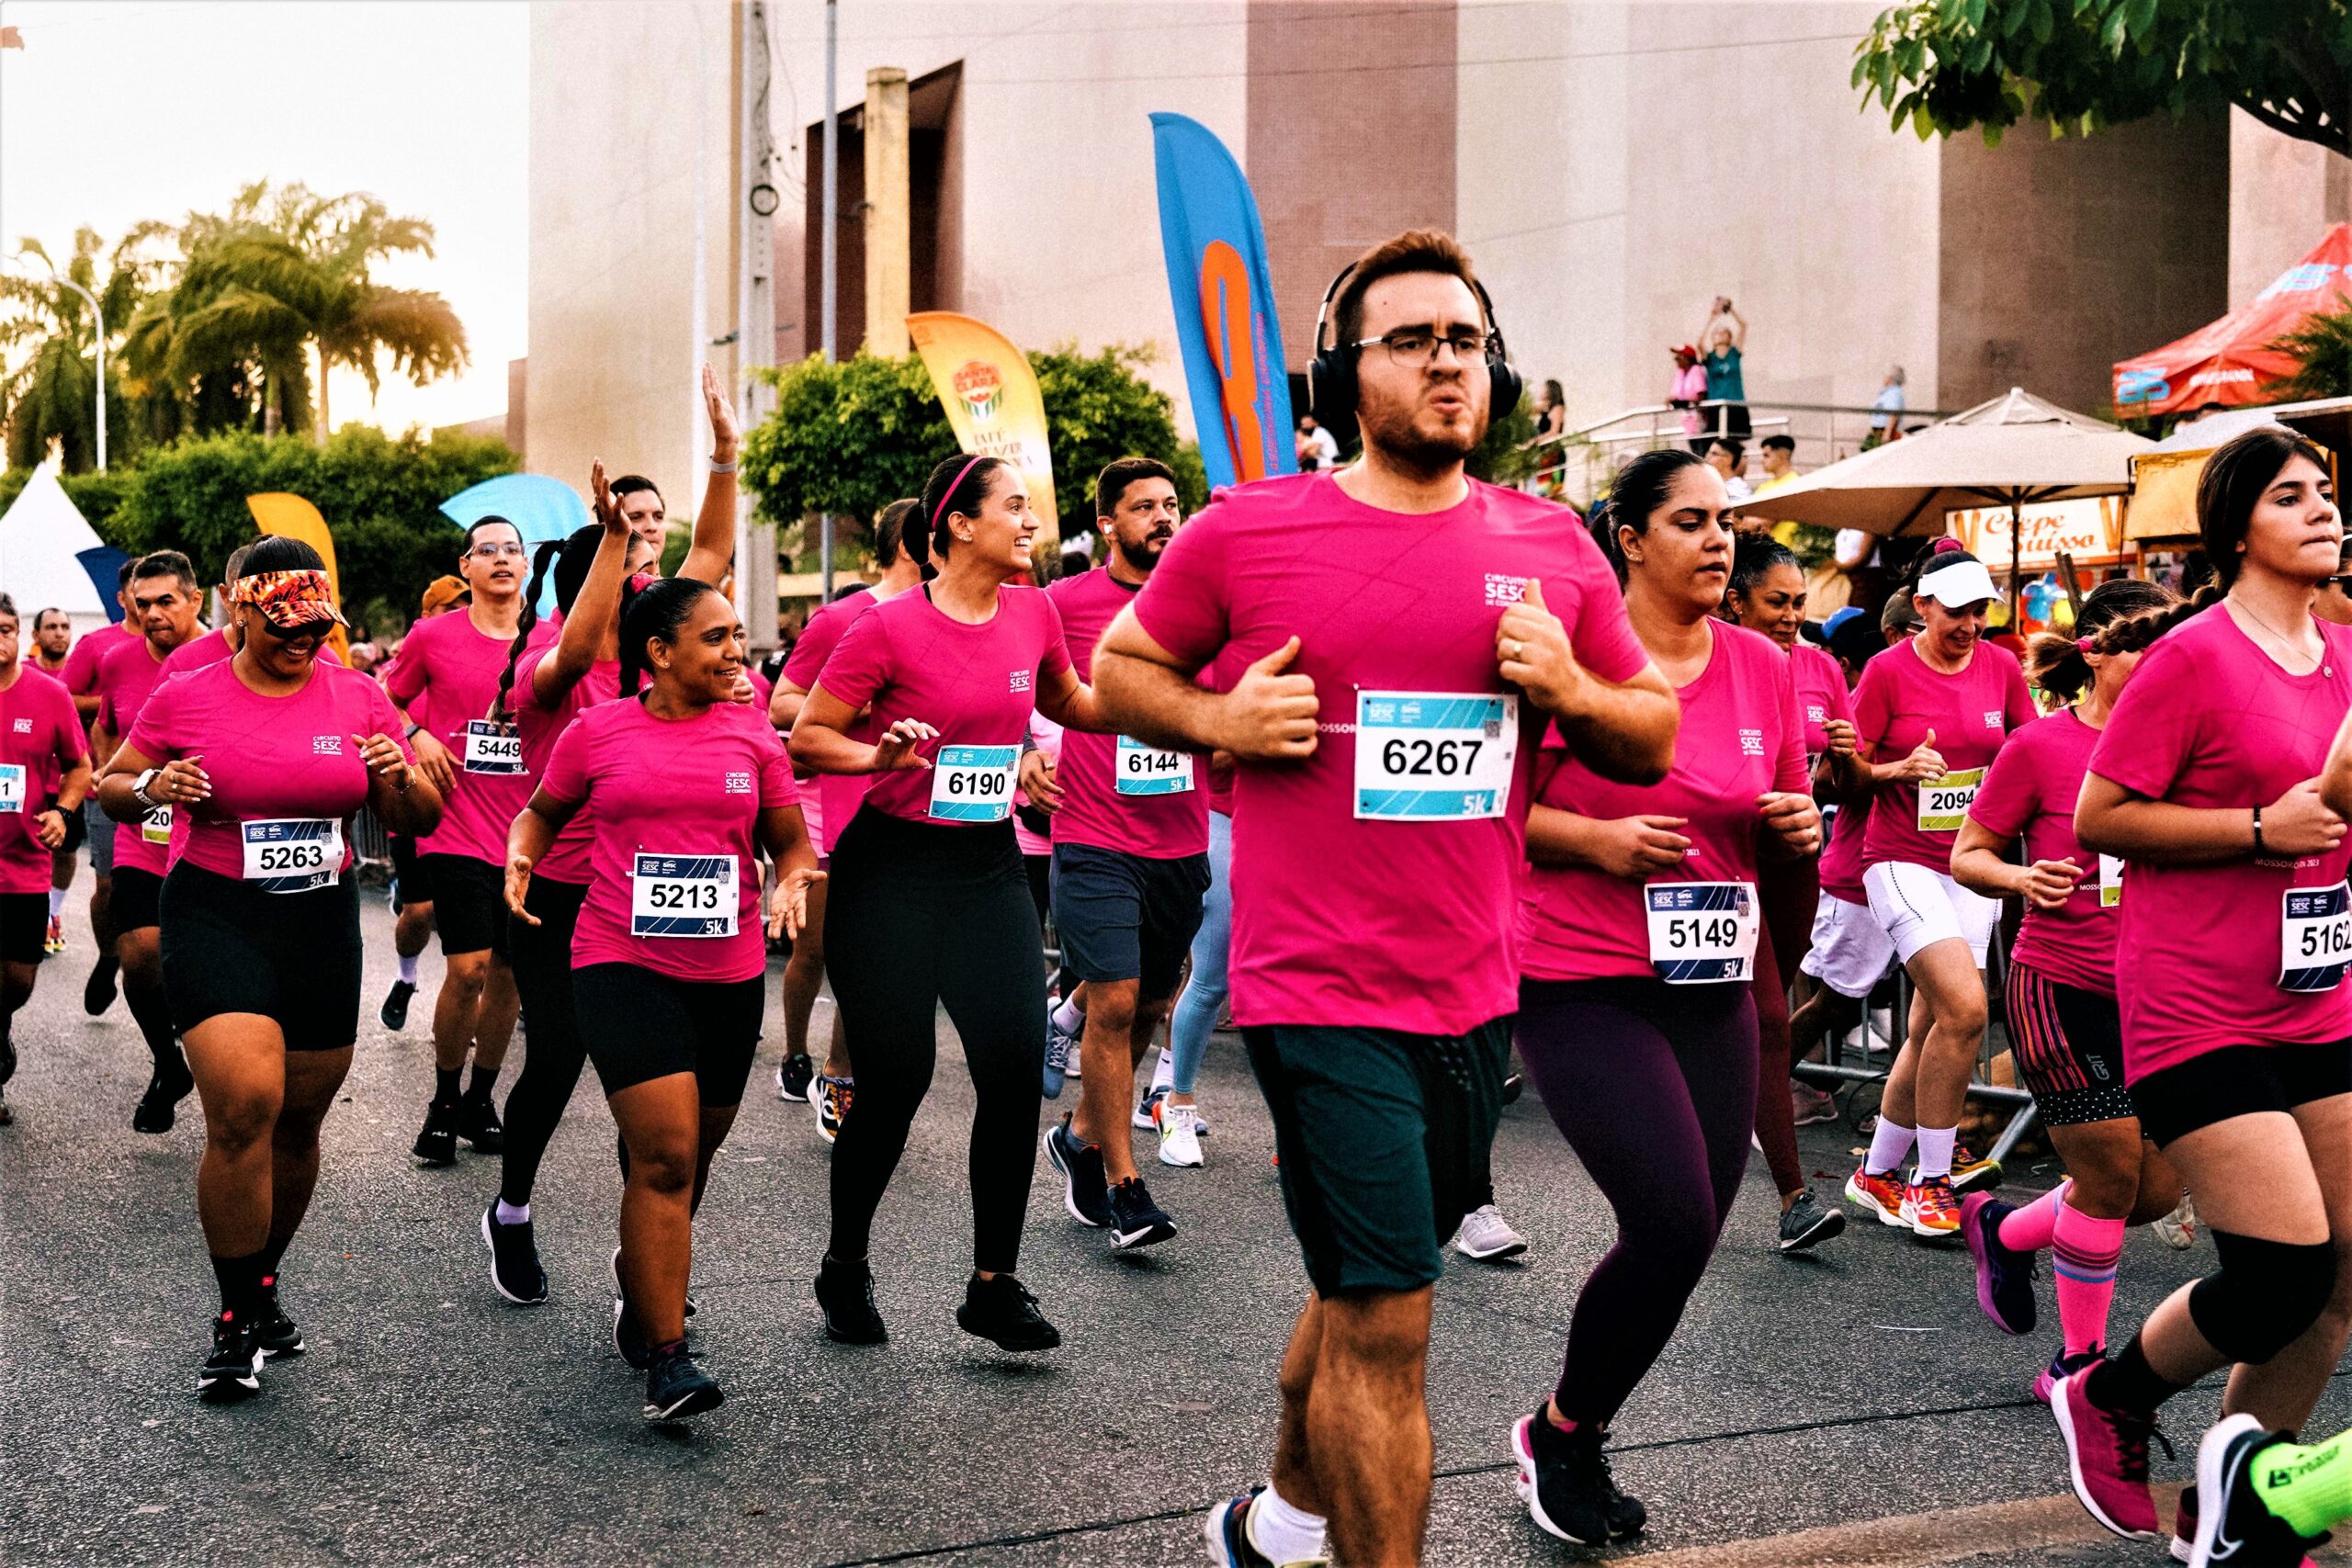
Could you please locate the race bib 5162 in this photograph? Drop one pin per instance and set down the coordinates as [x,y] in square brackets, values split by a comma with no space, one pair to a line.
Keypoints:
[2314,938]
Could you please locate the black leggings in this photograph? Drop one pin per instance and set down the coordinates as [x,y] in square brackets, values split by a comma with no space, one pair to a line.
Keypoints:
[552,1054]
[918,914]
[1654,1085]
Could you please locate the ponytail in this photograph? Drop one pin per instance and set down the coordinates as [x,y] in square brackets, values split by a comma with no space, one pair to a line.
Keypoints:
[656,612]
[2138,633]
[541,560]
[2055,661]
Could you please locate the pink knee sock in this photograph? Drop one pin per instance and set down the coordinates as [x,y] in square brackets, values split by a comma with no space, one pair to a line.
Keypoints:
[2083,1254]
[2029,1229]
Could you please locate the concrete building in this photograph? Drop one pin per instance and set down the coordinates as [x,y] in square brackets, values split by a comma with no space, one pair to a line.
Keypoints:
[1612,167]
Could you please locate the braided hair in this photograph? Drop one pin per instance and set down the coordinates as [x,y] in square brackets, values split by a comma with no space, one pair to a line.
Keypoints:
[569,559]
[2055,661]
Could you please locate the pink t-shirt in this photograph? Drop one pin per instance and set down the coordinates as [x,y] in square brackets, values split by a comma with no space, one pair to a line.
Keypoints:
[541,727]
[976,685]
[2030,793]
[128,673]
[269,758]
[40,734]
[447,677]
[1153,826]
[1690,386]
[1841,862]
[676,799]
[1972,712]
[837,795]
[2209,720]
[1822,695]
[80,672]
[1578,923]
[1329,909]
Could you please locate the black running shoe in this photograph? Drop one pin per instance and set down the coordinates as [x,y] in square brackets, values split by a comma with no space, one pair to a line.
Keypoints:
[1085,1194]
[233,1370]
[97,991]
[1003,1311]
[845,1292]
[2004,1275]
[1513,1086]
[675,1388]
[159,1107]
[1565,1478]
[514,1271]
[393,1014]
[1136,1220]
[276,1334]
[478,1124]
[437,1144]
[2235,1524]
[7,1059]
[793,1077]
[1808,1223]
[7,1115]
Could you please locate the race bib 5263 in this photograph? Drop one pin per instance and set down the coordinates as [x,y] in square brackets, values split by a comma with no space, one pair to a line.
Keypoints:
[290,854]
[1434,756]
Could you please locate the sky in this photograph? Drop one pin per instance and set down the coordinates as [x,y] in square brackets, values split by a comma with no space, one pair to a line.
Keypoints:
[120,110]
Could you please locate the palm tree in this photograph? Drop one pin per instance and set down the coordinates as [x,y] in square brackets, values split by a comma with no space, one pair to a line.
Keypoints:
[2321,346]
[47,360]
[285,272]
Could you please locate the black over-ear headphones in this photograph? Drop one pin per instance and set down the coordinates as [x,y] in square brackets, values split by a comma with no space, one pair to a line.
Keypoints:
[1331,373]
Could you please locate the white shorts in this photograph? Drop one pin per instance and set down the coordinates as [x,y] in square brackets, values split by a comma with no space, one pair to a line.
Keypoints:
[1918,906]
[1850,953]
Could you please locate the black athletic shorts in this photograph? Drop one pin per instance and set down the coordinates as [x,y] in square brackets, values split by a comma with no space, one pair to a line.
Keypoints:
[1123,917]
[2238,1081]
[2067,1043]
[24,926]
[1382,1140]
[416,882]
[469,904]
[294,957]
[639,1025]
[136,900]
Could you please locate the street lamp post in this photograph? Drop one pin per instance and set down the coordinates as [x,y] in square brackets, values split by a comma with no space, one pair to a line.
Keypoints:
[98,318]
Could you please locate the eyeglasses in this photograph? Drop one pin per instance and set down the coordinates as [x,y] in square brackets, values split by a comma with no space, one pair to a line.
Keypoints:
[491,552]
[1416,350]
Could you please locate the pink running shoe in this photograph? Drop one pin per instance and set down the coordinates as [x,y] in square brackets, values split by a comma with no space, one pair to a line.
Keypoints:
[2062,1366]
[2107,1457]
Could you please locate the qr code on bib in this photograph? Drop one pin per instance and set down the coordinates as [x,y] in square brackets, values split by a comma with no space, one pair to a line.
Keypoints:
[1494,729]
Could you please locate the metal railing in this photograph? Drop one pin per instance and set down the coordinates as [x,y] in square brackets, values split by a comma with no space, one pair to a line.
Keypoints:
[1589,458]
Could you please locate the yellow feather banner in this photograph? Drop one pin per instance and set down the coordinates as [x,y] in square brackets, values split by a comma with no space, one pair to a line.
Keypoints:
[291,517]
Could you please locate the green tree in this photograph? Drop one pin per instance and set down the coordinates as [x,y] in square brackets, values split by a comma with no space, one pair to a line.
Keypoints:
[850,437]
[2323,349]
[285,273]
[48,368]
[380,494]
[1950,65]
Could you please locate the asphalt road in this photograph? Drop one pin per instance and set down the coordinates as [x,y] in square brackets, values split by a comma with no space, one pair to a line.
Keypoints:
[1851,1407]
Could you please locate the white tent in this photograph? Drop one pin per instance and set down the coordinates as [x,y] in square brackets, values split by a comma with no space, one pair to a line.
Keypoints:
[41,537]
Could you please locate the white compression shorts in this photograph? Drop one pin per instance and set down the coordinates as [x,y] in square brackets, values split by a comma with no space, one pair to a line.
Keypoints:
[1917,906]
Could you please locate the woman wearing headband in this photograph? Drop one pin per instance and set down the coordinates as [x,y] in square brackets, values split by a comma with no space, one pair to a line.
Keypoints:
[2065,1034]
[268,755]
[930,904]
[1929,715]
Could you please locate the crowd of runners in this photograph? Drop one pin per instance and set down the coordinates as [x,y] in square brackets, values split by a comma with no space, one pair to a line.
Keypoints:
[1233,767]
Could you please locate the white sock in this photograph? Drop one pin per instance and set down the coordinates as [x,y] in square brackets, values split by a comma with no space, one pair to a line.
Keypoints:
[1163,1074]
[508,1214]
[1282,1532]
[408,968]
[1935,1151]
[57,901]
[1888,1145]
[1070,1016]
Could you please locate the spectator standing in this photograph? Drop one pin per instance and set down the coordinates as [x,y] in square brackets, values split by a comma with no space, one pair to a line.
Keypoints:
[1316,448]
[1690,387]
[1728,458]
[1726,335]
[1886,418]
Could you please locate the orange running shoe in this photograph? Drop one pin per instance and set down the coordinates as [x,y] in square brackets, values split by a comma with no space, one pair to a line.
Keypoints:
[1882,1195]
[1931,1209]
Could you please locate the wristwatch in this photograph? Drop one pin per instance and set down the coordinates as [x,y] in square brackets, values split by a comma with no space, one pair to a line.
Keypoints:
[138,790]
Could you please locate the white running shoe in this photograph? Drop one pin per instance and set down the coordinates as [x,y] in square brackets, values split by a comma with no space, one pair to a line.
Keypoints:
[1179,1137]
[1485,1235]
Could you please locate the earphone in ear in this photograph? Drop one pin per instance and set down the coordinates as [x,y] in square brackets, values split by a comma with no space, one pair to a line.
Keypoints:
[1331,373]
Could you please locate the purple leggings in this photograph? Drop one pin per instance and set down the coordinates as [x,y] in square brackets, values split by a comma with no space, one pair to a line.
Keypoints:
[1654,1085]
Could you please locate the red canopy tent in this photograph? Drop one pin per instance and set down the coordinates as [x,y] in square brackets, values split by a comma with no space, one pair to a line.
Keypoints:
[2230,363]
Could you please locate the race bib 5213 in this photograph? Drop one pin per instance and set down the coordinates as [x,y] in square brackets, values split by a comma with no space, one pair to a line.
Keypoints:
[1434,756]
[683,896]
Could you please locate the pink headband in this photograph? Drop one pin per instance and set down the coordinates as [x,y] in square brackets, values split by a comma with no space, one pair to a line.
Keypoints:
[961,475]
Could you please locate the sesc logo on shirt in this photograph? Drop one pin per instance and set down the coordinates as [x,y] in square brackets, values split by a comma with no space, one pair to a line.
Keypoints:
[738,782]
[1992,718]
[1751,743]
[24,726]
[1816,714]
[1503,591]
[1022,678]
[326,745]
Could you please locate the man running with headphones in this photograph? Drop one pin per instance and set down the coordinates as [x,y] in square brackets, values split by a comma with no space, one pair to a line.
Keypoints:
[1391,696]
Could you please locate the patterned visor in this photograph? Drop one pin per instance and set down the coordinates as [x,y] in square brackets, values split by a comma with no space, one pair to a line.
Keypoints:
[289,599]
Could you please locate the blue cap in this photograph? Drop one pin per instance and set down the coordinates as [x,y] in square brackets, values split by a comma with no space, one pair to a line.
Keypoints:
[1821,632]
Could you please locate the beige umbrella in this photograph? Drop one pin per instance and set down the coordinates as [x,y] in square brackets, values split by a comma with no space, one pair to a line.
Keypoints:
[2014,451]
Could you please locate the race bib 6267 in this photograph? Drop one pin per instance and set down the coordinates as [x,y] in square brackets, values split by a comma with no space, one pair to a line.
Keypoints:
[1434,756]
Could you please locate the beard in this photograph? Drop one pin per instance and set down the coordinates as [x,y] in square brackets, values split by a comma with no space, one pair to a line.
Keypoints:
[1395,429]
[1144,556]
